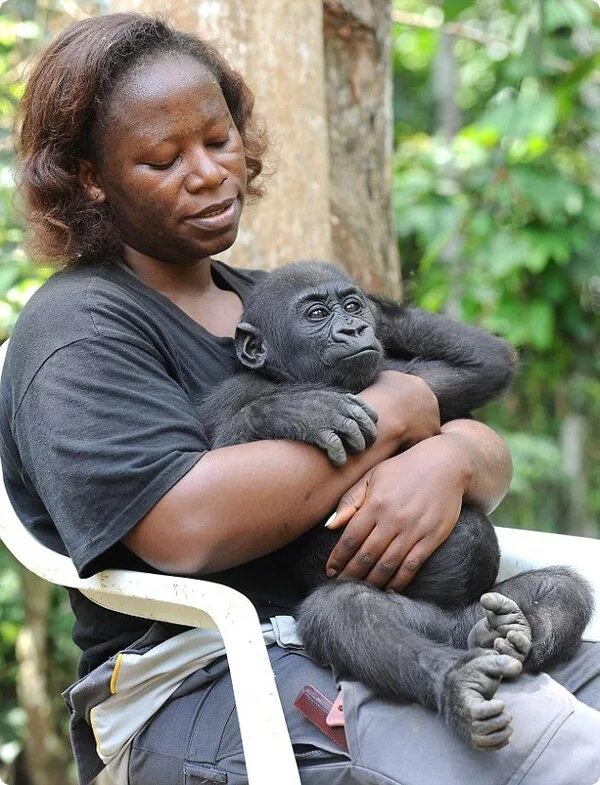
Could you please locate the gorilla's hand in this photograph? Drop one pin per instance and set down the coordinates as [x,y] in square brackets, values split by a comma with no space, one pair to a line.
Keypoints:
[338,422]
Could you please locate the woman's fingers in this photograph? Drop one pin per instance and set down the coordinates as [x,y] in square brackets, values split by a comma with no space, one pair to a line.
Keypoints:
[390,563]
[349,504]
[350,550]
[410,564]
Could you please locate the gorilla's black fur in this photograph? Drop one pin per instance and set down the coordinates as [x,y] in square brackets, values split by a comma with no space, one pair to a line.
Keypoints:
[309,341]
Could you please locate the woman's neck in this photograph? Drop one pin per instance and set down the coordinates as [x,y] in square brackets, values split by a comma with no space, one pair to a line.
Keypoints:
[191,288]
[172,280]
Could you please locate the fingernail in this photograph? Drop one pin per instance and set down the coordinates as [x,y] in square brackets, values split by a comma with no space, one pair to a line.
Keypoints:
[331,573]
[330,520]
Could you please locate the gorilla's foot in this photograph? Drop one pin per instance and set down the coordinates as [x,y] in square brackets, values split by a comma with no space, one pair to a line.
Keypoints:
[504,629]
[467,700]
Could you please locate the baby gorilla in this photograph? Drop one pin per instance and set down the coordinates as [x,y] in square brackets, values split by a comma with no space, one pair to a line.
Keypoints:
[311,340]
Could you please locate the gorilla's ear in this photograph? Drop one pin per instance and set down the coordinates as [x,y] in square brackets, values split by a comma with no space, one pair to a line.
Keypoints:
[249,346]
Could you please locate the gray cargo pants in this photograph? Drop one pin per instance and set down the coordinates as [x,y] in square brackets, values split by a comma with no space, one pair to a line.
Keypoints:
[194,738]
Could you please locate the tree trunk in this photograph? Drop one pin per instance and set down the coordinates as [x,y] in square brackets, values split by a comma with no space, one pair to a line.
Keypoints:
[278,47]
[44,753]
[446,81]
[359,107]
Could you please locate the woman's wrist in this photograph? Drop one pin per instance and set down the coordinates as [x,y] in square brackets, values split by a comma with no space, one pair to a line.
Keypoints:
[408,410]
[448,458]
[484,462]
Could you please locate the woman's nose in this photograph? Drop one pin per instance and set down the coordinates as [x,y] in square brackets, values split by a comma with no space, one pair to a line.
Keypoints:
[204,171]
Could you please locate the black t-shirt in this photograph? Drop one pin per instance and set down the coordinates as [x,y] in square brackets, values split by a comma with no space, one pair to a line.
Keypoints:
[99,419]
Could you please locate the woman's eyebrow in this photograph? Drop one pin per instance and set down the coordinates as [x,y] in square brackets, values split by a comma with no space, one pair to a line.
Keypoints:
[153,141]
[150,136]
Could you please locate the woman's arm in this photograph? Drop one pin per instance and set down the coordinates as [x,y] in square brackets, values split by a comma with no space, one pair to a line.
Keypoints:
[241,502]
[404,508]
[488,469]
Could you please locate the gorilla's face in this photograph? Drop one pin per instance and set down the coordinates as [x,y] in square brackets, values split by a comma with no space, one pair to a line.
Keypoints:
[332,336]
[311,328]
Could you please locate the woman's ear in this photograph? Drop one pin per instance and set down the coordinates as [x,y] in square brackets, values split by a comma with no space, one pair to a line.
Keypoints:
[90,182]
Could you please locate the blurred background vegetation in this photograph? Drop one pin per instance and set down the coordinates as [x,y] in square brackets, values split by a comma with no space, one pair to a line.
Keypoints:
[497,212]
[496,197]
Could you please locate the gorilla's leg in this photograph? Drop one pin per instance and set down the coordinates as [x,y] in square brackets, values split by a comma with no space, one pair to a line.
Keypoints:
[555,601]
[371,636]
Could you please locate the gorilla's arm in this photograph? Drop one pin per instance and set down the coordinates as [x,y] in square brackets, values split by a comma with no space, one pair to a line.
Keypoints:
[249,408]
[464,366]
[220,408]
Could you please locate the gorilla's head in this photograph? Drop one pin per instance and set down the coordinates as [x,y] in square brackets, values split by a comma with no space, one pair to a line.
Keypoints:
[309,322]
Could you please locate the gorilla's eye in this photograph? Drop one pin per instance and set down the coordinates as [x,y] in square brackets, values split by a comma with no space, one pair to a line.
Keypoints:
[317,313]
[352,306]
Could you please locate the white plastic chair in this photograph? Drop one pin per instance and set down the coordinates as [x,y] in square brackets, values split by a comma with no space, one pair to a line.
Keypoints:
[197,603]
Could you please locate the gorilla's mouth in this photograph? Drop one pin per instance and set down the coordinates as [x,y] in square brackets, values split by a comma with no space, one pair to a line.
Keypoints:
[361,353]
[364,355]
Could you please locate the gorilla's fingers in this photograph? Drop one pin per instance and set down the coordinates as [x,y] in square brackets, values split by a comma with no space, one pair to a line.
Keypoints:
[352,436]
[365,423]
[366,407]
[333,446]
[516,644]
[504,629]
[468,702]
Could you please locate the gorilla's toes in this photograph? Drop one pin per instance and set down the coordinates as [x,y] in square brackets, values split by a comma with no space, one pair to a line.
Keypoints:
[504,629]
[468,705]
[509,621]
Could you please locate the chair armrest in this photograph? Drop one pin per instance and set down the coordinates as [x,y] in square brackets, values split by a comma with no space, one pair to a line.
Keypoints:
[193,603]
[197,603]
[527,550]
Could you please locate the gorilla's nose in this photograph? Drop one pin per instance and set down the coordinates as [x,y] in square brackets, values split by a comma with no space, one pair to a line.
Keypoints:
[351,327]
[354,332]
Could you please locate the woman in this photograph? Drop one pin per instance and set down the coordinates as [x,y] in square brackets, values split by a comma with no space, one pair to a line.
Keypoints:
[138,152]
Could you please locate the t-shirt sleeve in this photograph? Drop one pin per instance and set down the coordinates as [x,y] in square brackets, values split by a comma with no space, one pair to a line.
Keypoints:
[104,431]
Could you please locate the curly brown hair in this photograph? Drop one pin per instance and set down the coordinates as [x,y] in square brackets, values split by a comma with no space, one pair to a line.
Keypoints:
[61,121]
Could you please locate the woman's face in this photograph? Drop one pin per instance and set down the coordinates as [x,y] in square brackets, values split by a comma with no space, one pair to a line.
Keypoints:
[173,167]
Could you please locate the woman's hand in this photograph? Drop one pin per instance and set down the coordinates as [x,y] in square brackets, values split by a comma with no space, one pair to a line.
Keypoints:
[400,512]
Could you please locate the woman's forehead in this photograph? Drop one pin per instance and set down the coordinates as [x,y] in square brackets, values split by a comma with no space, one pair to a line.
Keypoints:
[158,90]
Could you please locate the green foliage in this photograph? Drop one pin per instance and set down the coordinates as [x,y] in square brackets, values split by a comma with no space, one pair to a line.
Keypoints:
[499,222]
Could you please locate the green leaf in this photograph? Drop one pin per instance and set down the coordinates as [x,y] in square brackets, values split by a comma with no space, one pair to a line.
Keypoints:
[453,8]
[540,317]
[551,196]
[566,13]
[520,118]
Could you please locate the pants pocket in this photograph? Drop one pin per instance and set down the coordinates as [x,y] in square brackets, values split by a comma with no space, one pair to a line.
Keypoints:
[196,774]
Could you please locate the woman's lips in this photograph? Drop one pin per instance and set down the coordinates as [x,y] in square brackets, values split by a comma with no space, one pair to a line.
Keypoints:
[218,221]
